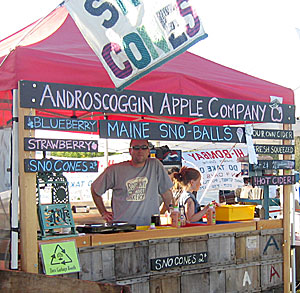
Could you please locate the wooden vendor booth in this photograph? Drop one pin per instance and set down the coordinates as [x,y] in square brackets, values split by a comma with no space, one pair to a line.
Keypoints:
[50,79]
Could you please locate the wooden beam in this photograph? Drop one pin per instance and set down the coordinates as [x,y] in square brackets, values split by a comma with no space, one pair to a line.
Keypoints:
[16,281]
[286,221]
[28,210]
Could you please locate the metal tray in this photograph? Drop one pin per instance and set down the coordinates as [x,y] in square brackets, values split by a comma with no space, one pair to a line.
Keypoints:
[114,227]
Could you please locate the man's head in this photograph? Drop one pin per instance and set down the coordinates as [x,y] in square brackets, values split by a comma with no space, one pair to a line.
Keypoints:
[139,151]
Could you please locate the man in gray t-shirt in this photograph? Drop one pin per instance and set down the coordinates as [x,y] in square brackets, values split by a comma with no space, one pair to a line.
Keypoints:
[136,186]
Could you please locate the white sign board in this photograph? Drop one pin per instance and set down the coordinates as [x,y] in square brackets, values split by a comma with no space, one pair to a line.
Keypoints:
[228,176]
[133,37]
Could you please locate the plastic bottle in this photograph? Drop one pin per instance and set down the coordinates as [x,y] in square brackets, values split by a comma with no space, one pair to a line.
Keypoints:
[182,217]
[175,217]
[211,215]
[171,209]
[152,226]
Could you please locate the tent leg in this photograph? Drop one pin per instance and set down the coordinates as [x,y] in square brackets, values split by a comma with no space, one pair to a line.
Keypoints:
[286,222]
[15,185]
[293,242]
[106,165]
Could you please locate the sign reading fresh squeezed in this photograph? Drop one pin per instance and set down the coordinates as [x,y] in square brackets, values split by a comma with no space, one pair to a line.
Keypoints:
[133,37]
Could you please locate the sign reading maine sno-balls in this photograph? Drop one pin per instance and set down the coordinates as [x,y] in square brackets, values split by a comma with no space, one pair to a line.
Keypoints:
[273,180]
[64,145]
[133,37]
[50,165]
[40,95]
[60,124]
[273,165]
[274,149]
[167,131]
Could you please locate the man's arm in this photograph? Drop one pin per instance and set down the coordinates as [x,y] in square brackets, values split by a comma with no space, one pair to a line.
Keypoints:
[107,216]
[168,199]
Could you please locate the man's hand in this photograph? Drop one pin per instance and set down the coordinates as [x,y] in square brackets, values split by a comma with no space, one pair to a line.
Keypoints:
[108,216]
[168,198]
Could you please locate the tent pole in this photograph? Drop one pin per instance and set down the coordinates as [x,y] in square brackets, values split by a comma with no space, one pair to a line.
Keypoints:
[27,191]
[293,250]
[106,164]
[15,184]
[286,221]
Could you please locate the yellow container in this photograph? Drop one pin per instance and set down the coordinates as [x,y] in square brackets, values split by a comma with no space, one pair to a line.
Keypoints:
[235,212]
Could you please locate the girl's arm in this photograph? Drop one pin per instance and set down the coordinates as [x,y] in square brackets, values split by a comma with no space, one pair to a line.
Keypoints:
[191,216]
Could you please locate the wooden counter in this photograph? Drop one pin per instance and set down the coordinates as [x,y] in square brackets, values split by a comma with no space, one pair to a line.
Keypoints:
[248,250]
[169,232]
[86,240]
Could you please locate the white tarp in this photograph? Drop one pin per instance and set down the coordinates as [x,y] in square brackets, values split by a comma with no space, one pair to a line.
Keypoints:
[133,37]
[228,176]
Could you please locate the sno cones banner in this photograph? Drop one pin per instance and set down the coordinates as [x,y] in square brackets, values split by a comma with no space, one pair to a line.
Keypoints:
[133,37]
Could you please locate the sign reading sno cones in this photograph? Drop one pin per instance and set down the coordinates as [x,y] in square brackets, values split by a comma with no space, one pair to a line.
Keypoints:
[131,38]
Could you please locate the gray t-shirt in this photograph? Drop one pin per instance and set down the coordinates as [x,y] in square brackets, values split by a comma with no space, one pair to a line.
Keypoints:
[136,191]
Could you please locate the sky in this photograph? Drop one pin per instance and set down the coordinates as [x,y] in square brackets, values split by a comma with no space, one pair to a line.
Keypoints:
[257,37]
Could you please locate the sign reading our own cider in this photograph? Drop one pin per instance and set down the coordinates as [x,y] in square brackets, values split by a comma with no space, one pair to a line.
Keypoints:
[133,37]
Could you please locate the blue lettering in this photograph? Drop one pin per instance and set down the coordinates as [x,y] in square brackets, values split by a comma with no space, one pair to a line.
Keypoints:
[123,129]
[111,128]
[84,167]
[165,132]
[32,164]
[138,42]
[271,242]
[228,135]
[88,5]
[196,132]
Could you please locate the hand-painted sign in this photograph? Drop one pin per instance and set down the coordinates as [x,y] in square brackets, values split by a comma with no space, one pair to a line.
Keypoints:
[169,262]
[49,165]
[41,95]
[131,38]
[273,165]
[273,180]
[167,131]
[60,258]
[65,145]
[274,149]
[207,162]
[272,134]
[60,124]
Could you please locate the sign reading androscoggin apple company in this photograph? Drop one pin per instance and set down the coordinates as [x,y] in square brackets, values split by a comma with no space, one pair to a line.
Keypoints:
[167,131]
[133,37]
[41,95]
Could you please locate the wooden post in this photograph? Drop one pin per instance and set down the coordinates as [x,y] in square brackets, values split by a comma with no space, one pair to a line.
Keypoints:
[286,221]
[28,209]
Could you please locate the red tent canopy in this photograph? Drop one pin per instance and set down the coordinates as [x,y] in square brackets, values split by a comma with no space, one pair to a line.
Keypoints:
[53,50]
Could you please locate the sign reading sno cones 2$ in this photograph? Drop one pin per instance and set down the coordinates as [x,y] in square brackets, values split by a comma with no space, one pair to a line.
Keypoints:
[133,37]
